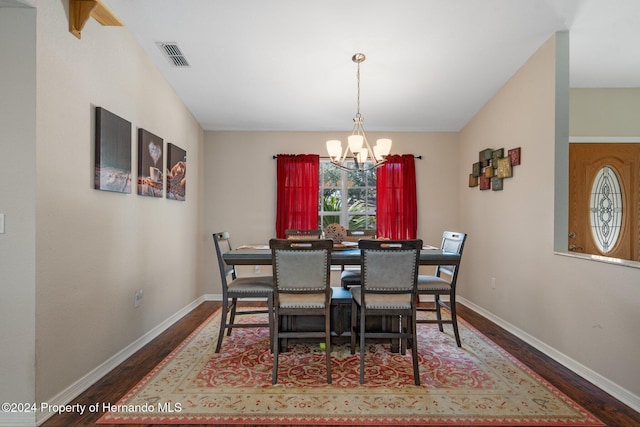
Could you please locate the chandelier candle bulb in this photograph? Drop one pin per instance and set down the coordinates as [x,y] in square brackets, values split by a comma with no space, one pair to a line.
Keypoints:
[355,143]
[383,146]
[362,156]
[334,148]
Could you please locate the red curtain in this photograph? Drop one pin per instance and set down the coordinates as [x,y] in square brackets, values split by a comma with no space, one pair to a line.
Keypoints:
[297,193]
[397,210]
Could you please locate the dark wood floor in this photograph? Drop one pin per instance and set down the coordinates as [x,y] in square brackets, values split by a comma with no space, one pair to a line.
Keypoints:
[115,384]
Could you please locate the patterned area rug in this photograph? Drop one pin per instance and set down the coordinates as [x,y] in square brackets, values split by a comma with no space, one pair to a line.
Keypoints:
[476,385]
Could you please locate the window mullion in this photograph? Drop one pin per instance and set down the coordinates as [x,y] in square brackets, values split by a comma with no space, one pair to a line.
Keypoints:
[344,214]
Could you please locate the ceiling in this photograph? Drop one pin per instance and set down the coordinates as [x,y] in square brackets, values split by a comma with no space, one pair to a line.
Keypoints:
[431,64]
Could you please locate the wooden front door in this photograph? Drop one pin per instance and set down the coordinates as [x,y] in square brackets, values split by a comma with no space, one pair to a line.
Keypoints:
[585,161]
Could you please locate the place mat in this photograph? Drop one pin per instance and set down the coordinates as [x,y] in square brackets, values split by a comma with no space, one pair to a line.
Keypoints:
[253,247]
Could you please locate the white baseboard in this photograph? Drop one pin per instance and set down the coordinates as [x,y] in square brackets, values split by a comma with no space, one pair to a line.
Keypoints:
[620,393]
[73,391]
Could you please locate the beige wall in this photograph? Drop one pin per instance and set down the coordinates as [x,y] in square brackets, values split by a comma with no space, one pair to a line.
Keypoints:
[582,312]
[240,178]
[95,249]
[605,112]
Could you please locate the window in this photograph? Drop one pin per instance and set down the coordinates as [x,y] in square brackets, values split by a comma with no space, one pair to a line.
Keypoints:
[347,198]
[606,209]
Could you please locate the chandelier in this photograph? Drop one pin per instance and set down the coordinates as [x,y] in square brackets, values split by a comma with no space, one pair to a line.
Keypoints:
[358,155]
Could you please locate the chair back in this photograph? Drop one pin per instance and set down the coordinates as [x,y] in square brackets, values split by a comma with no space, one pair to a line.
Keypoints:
[452,241]
[301,266]
[297,234]
[222,243]
[389,266]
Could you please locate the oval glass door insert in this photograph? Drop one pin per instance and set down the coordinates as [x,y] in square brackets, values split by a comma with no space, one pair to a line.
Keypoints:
[606,209]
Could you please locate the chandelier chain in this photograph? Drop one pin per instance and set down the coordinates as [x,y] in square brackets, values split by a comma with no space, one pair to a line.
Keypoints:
[358,96]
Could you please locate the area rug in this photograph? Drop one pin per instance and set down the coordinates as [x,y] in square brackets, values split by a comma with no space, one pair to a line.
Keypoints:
[479,384]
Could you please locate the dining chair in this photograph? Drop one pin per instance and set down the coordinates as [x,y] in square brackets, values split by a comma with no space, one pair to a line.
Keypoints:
[239,288]
[389,279]
[443,282]
[298,234]
[301,272]
[351,277]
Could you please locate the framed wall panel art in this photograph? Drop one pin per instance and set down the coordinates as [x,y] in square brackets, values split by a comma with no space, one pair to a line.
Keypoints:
[112,152]
[150,164]
[492,167]
[176,172]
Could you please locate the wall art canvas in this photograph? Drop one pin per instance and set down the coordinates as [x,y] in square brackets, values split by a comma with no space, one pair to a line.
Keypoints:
[484,157]
[514,154]
[485,182]
[473,180]
[150,164]
[476,168]
[496,183]
[112,152]
[176,172]
[504,168]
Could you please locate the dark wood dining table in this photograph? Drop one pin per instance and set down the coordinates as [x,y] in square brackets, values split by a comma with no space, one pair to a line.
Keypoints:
[261,255]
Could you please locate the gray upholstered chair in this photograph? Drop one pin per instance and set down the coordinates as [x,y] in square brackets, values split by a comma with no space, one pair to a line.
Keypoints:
[297,234]
[301,272]
[351,277]
[443,282]
[239,288]
[389,280]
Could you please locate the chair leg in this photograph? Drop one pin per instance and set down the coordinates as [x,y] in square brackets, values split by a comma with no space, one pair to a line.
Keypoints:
[271,320]
[362,330]
[402,327]
[354,319]
[454,319]
[276,349]
[414,350]
[223,325]
[438,312]
[232,319]
[327,344]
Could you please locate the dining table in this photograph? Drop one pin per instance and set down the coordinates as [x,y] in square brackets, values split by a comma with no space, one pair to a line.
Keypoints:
[261,255]
[341,255]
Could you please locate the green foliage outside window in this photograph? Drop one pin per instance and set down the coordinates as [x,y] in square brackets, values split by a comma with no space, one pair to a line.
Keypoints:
[360,199]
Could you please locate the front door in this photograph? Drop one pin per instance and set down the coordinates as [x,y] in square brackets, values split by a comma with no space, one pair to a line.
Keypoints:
[604,199]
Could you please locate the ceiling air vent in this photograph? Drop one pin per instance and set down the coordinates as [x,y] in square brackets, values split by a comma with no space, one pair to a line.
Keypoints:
[173,54]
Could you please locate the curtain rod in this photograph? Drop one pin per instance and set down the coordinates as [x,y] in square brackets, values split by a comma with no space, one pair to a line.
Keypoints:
[327,157]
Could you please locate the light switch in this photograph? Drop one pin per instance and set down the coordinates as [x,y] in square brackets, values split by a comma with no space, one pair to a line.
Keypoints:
[1,223]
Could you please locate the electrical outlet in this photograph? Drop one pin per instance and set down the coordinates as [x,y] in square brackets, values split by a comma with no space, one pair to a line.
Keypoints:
[137,300]
[493,283]
[256,269]
[1,223]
